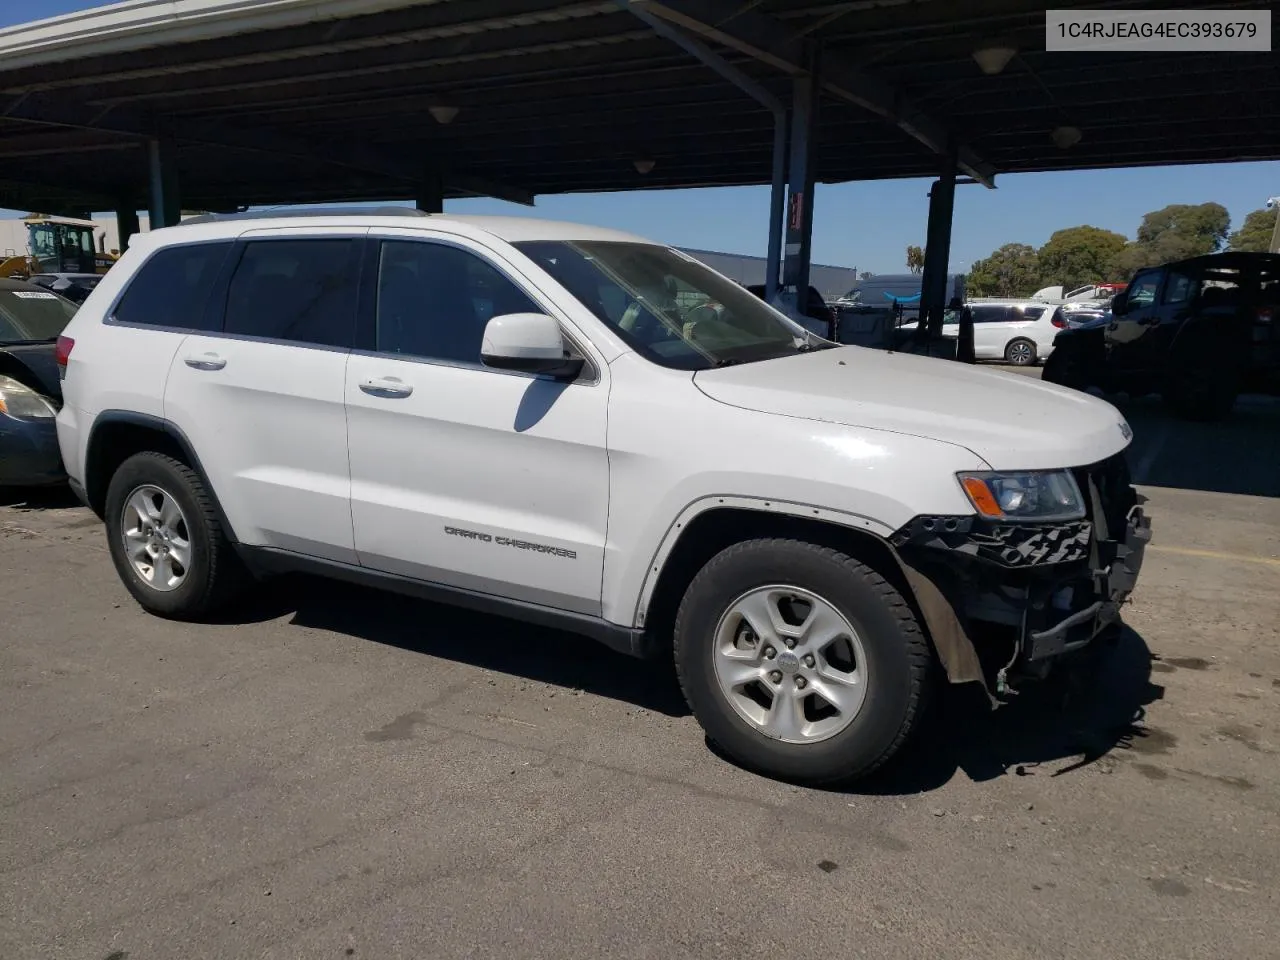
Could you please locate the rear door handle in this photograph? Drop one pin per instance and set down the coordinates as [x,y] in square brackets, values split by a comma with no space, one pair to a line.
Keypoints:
[391,387]
[205,361]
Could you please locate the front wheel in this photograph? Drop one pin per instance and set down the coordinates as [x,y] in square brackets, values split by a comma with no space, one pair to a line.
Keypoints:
[1066,367]
[799,661]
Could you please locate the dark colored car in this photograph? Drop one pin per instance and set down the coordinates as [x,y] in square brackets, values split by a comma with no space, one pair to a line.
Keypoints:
[31,318]
[75,287]
[1199,332]
[815,308]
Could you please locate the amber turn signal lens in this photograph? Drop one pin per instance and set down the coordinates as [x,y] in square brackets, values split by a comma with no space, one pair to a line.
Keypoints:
[981,496]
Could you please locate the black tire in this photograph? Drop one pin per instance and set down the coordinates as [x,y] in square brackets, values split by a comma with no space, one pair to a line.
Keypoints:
[898,659]
[215,574]
[1203,389]
[1066,368]
[1016,352]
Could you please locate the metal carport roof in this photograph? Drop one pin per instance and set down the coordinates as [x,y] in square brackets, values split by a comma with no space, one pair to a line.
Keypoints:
[275,101]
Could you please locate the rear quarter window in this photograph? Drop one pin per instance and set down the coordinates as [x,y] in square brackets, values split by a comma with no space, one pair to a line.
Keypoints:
[172,288]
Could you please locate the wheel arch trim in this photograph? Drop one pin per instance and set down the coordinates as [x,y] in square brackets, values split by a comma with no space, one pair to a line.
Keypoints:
[159,425]
[706,504]
[950,639]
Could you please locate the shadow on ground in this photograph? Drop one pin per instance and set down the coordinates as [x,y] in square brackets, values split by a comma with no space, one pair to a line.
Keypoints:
[1081,717]
[57,497]
[1240,454]
[494,643]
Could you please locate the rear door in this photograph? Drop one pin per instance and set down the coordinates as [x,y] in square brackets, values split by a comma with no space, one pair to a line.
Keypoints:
[990,322]
[260,396]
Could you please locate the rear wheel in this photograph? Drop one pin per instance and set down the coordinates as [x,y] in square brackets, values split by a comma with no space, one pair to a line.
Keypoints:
[1020,352]
[165,539]
[799,661]
[1202,384]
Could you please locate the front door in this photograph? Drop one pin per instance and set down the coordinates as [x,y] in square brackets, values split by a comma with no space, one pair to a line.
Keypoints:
[486,480]
[260,396]
[1140,315]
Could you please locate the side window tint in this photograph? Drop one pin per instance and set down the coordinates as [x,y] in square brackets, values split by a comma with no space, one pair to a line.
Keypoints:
[172,288]
[1180,288]
[988,314]
[1142,291]
[1033,313]
[434,300]
[300,290]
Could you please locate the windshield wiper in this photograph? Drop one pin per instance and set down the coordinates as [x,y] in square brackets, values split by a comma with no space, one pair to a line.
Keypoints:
[728,362]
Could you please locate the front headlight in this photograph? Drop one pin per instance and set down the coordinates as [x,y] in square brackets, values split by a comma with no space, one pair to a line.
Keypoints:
[1026,495]
[20,401]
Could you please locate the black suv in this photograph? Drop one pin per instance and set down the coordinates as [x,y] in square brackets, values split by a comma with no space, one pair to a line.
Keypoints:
[1198,332]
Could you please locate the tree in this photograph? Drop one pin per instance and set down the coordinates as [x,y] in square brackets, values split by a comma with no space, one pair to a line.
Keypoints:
[1256,232]
[1175,232]
[865,275]
[915,258]
[1011,271]
[1079,255]
[1183,230]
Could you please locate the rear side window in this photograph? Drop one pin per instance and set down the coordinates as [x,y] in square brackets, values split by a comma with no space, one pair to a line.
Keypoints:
[303,291]
[1033,313]
[172,288]
[990,314]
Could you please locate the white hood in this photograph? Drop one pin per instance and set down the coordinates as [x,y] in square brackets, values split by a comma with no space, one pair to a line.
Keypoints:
[1011,421]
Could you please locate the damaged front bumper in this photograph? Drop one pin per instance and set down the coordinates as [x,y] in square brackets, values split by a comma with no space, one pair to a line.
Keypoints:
[1006,600]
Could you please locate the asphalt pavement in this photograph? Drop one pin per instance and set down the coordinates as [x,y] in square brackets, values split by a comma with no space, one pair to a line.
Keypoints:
[335,772]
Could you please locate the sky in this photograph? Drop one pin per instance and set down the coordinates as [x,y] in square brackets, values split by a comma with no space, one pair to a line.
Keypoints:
[869,224]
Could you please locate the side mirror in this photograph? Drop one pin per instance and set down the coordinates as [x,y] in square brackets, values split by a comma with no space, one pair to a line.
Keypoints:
[529,342]
[1120,303]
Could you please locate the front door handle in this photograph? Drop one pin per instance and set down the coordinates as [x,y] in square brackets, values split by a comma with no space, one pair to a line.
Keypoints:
[390,387]
[205,361]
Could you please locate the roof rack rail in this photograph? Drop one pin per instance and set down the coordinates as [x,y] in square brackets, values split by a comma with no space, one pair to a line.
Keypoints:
[306,212]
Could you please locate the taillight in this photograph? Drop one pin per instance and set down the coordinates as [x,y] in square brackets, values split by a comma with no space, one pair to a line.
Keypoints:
[61,354]
[1058,321]
[1265,314]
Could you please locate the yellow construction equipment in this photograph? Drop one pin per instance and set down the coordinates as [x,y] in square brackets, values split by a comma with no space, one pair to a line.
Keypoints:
[58,245]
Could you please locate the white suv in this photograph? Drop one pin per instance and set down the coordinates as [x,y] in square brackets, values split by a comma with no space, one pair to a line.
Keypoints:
[578,427]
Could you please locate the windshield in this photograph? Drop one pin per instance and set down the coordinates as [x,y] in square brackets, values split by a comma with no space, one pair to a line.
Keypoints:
[32,314]
[668,306]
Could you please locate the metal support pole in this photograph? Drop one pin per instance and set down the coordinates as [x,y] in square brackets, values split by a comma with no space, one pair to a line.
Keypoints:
[798,253]
[164,209]
[759,93]
[126,223]
[430,196]
[933,283]
[777,206]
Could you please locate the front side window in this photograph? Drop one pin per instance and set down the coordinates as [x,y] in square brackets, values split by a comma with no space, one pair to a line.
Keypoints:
[172,288]
[435,299]
[1142,291]
[303,291]
[667,306]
